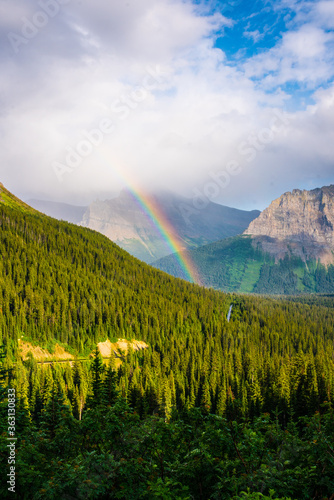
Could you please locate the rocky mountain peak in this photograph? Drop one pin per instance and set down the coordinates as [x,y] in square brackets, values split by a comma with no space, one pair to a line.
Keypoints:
[302,219]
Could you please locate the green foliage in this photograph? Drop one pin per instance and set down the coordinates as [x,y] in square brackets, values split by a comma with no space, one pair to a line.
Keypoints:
[97,376]
[258,496]
[111,453]
[9,200]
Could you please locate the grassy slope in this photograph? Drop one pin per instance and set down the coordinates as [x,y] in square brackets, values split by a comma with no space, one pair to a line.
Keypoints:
[230,264]
[233,265]
[8,199]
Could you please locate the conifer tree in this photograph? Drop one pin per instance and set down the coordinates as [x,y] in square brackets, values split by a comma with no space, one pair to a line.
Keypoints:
[54,412]
[206,397]
[109,386]
[79,390]
[96,396]
[166,401]
[221,399]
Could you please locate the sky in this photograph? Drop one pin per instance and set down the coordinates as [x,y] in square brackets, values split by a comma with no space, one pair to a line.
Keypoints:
[231,102]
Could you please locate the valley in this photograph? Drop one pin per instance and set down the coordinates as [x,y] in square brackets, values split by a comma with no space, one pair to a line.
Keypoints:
[209,371]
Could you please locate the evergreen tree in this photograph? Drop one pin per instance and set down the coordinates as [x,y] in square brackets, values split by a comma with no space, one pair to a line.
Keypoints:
[109,386]
[96,396]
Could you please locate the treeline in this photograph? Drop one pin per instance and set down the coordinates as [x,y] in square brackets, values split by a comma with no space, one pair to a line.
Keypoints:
[291,276]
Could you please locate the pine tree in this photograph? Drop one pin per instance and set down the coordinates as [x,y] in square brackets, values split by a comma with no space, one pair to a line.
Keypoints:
[109,386]
[221,400]
[54,412]
[206,397]
[79,390]
[166,401]
[96,397]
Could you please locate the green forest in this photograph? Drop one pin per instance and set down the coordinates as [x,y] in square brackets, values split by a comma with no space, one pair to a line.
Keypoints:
[212,409]
[235,265]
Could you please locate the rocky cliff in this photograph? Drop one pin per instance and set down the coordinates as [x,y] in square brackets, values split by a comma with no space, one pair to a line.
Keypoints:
[300,223]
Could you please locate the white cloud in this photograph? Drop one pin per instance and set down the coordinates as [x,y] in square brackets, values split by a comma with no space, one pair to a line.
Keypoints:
[308,42]
[93,61]
[301,56]
[254,35]
[324,13]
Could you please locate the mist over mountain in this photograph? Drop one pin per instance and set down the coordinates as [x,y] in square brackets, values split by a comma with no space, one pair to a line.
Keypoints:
[128,223]
[60,211]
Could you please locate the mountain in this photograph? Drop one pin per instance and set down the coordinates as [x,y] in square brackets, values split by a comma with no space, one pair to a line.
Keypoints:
[299,223]
[208,408]
[60,211]
[288,249]
[124,221]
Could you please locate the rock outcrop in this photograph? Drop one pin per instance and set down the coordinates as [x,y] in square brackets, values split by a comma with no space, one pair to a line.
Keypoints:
[300,223]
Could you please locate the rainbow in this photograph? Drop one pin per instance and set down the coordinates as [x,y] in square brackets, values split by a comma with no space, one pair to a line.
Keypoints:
[167,231]
[162,224]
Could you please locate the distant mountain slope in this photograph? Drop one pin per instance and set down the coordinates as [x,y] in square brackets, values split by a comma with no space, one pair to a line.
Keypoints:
[60,211]
[288,249]
[125,222]
[235,265]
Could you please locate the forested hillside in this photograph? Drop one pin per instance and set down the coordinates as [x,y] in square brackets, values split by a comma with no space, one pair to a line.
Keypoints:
[60,281]
[209,409]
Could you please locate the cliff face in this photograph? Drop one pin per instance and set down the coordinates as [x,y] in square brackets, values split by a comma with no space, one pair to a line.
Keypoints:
[301,222]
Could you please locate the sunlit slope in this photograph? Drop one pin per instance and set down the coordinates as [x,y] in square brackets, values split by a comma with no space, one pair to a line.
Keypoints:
[9,200]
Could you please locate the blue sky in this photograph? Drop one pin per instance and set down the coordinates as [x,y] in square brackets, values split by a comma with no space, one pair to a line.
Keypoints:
[258,26]
[168,94]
